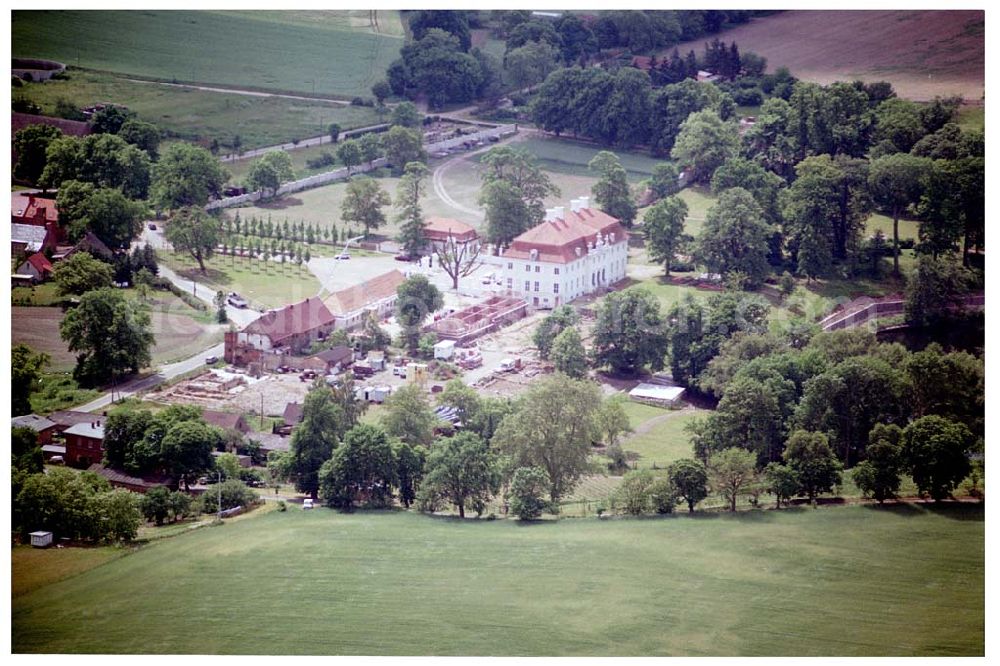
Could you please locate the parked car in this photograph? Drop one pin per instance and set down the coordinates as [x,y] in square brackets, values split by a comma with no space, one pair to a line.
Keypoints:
[281,369]
[211,360]
[403,257]
[152,227]
[236,300]
[307,375]
[307,504]
[343,256]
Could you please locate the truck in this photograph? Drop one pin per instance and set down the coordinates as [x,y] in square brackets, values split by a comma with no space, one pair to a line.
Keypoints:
[509,365]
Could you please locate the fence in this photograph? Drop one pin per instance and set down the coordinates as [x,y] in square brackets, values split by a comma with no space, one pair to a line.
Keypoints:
[888,308]
[344,173]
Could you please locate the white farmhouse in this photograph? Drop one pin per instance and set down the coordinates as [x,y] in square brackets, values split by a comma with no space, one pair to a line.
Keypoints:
[571,253]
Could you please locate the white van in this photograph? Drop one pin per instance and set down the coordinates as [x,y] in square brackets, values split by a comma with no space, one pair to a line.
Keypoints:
[307,504]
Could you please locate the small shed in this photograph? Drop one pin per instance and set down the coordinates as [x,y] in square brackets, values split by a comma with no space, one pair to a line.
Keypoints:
[41,539]
[376,359]
[658,395]
[444,350]
[376,394]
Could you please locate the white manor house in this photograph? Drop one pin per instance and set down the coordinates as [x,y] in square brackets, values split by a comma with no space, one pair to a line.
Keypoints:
[571,253]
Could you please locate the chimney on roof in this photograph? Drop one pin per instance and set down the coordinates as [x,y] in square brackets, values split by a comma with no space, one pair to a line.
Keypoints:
[585,203]
[574,205]
[549,214]
[559,212]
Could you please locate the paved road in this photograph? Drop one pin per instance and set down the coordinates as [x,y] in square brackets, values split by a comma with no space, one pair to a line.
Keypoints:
[165,373]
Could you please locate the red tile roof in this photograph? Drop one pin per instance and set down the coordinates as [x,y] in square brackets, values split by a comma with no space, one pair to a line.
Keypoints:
[439,228]
[40,262]
[25,208]
[224,420]
[557,240]
[355,298]
[295,319]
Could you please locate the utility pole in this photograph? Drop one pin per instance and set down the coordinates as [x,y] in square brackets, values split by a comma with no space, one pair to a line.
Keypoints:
[262,410]
[218,516]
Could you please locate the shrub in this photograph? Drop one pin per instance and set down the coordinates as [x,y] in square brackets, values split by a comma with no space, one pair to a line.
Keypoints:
[234,493]
[787,284]
[663,495]
[633,493]
[282,506]
[325,159]
[527,492]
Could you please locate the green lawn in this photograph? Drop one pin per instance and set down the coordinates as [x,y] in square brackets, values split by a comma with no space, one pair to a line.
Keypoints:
[326,55]
[39,295]
[571,157]
[60,391]
[201,115]
[263,283]
[832,581]
[38,567]
[907,228]
[240,168]
[972,118]
[698,199]
[665,441]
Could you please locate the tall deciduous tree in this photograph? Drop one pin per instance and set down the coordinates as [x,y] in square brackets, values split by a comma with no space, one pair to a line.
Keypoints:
[630,332]
[936,454]
[362,469]
[416,298]
[349,154]
[612,192]
[30,144]
[104,160]
[897,182]
[704,143]
[186,175]
[568,354]
[552,427]
[461,470]
[268,173]
[663,226]
[194,231]
[314,439]
[114,218]
[735,237]
[80,273]
[810,456]
[25,370]
[186,449]
[363,203]
[690,479]
[409,417]
[402,146]
[507,215]
[519,169]
[733,471]
[554,323]
[111,333]
[457,259]
[527,492]
[878,475]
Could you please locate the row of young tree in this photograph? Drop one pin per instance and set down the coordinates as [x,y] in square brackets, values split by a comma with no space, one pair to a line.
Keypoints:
[532,450]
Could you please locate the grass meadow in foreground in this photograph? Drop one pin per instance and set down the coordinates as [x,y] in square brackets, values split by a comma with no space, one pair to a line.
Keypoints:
[833,581]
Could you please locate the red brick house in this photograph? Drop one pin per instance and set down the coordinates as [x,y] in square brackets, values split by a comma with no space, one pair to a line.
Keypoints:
[85,443]
[37,266]
[226,420]
[41,425]
[288,330]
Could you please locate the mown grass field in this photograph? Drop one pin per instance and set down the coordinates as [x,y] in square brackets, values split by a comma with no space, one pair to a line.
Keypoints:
[326,55]
[201,115]
[833,581]
[263,283]
[664,440]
